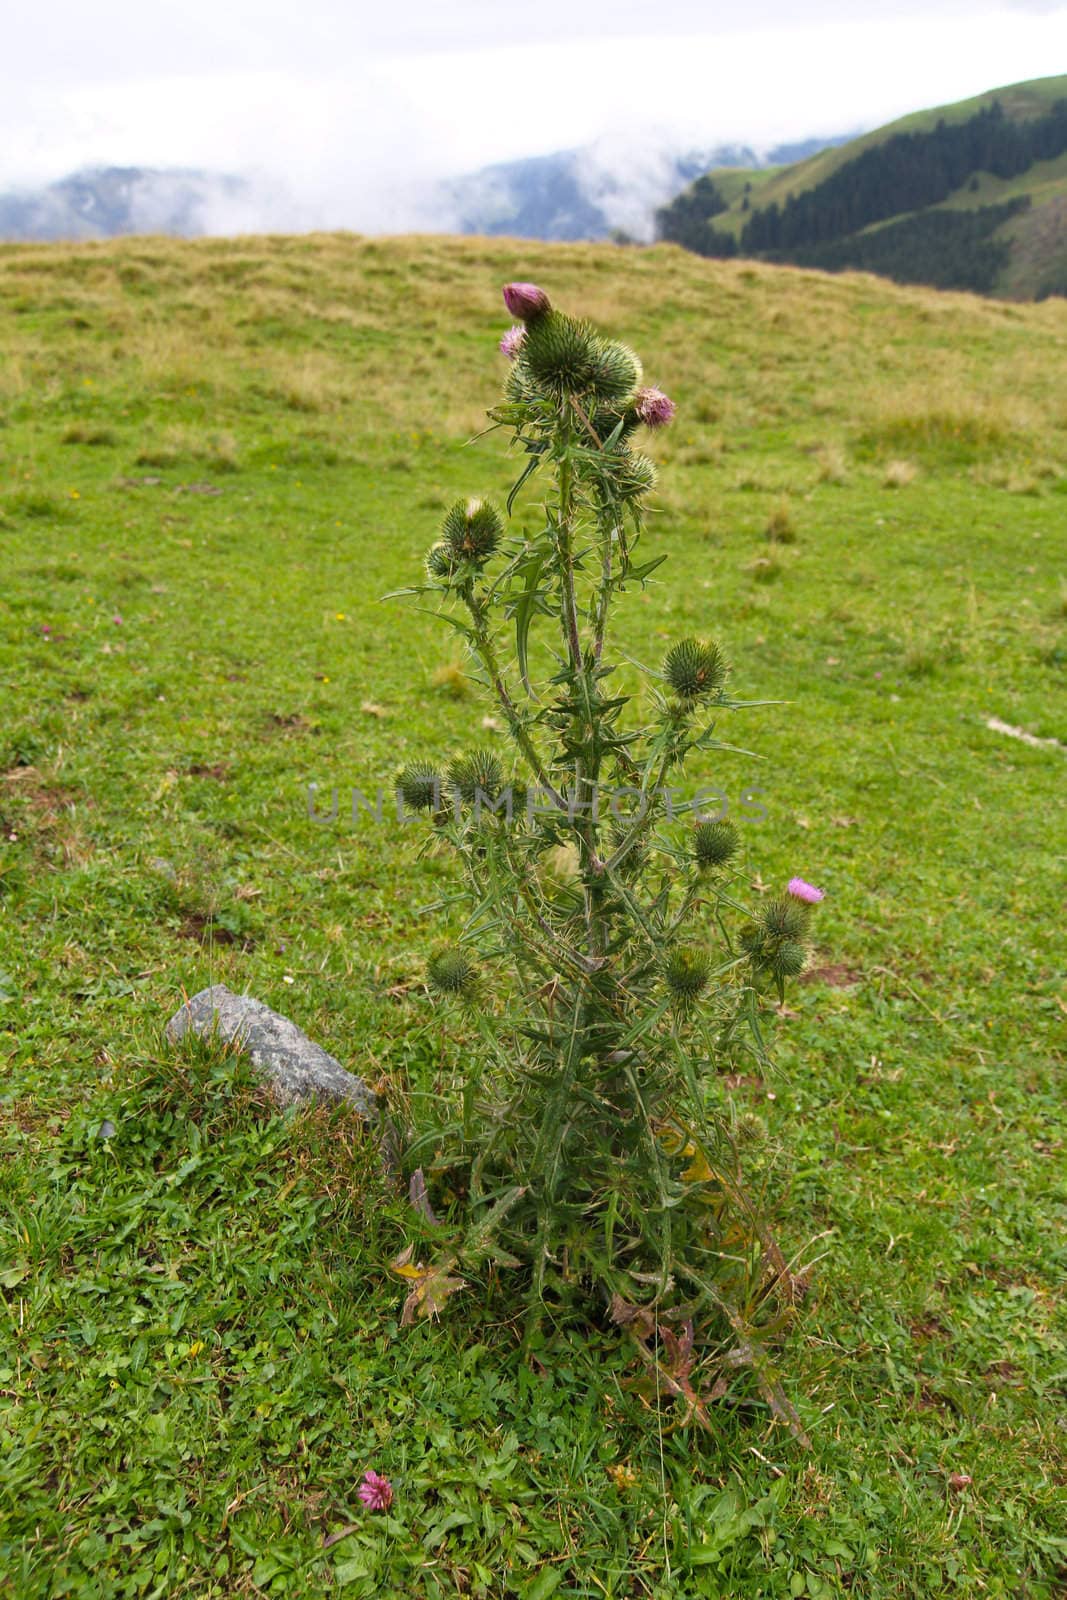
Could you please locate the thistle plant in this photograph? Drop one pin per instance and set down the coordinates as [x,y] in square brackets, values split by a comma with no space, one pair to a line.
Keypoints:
[606,966]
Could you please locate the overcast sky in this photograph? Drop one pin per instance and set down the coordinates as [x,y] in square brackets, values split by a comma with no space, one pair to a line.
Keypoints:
[340,98]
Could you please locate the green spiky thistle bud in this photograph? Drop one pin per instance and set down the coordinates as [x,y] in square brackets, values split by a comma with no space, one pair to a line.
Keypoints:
[440,564]
[714,843]
[636,477]
[605,419]
[419,786]
[452,972]
[776,942]
[784,919]
[694,669]
[750,1129]
[472,529]
[788,960]
[476,773]
[616,372]
[686,972]
[560,354]
[636,858]
[519,385]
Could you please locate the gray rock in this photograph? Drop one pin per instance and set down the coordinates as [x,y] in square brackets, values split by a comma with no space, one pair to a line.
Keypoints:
[294,1066]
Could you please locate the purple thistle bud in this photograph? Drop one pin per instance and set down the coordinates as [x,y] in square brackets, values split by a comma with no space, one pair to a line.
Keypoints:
[805,891]
[654,407]
[511,343]
[526,301]
[376,1492]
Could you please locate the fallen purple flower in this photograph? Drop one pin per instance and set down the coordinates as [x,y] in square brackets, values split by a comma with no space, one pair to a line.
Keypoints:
[376,1492]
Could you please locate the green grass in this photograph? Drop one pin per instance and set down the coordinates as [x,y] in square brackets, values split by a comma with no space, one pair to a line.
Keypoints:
[201,1353]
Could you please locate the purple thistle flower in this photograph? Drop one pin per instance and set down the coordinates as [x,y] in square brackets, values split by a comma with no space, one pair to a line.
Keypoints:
[376,1492]
[654,407]
[805,891]
[526,301]
[511,343]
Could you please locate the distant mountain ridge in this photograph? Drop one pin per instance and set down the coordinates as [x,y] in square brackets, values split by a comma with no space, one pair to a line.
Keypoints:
[596,191]
[105,202]
[968,196]
[588,193]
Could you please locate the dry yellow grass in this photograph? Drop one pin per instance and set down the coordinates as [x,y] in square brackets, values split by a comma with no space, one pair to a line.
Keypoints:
[898,474]
[216,449]
[755,344]
[832,464]
[781,528]
[450,678]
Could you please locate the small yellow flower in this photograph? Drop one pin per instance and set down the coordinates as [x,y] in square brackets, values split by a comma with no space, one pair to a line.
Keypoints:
[74,495]
[340,616]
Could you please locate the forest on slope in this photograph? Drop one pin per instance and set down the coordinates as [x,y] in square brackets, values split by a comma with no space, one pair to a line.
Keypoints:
[948,200]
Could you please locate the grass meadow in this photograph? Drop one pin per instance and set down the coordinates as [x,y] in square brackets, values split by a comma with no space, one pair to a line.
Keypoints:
[215,457]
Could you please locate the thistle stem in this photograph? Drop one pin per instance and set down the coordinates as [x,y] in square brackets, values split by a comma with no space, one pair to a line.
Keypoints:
[487,655]
[585,775]
[600,621]
[564,530]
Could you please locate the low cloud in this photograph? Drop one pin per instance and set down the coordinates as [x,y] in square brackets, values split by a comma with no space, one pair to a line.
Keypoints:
[333,120]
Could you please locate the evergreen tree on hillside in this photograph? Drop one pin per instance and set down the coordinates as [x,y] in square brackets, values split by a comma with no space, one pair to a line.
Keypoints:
[686,221]
[945,249]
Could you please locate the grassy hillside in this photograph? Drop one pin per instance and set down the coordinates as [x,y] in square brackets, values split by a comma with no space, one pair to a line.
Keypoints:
[1034,238]
[1021,101]
[214,458]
